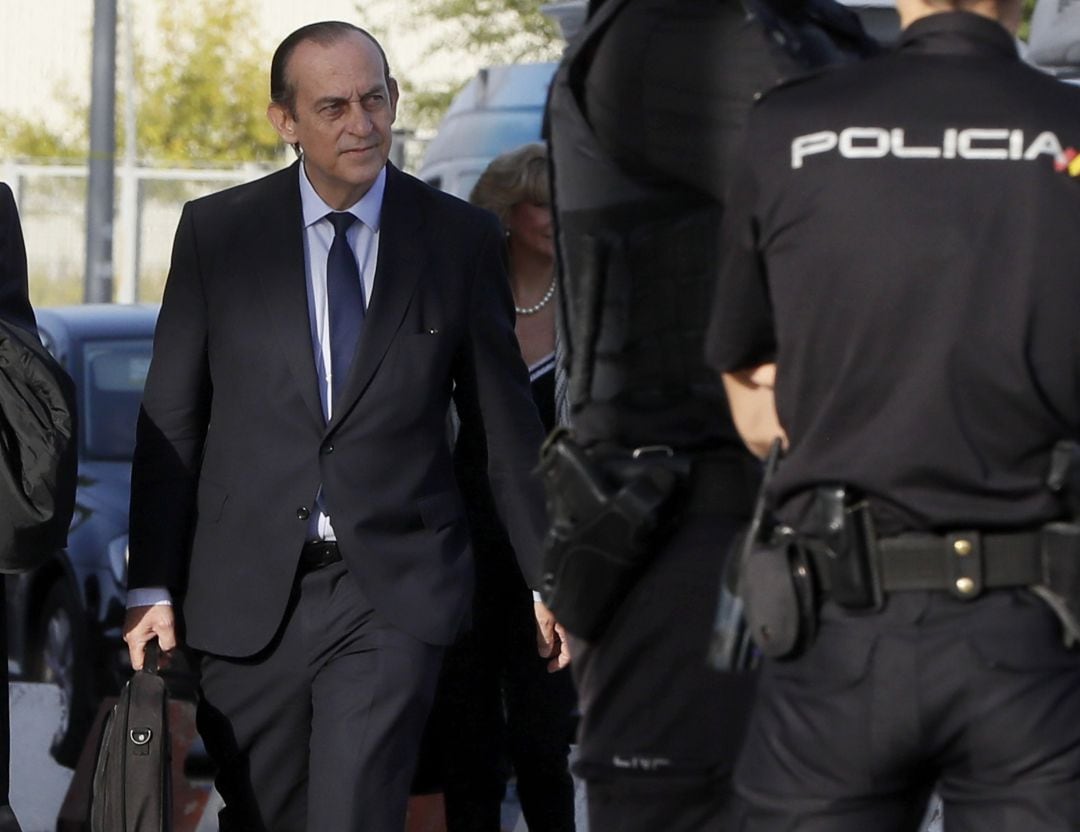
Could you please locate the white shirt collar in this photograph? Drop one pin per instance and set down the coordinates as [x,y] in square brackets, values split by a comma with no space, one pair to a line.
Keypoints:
[368,210]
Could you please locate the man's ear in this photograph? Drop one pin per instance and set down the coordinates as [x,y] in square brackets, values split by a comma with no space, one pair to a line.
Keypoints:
[283,122]
[394,94]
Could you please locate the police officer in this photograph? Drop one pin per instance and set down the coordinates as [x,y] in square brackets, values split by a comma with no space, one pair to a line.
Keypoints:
[899,304]
[649,489]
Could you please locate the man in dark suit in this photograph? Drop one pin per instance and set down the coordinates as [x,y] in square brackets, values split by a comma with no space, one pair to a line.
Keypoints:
[292,480]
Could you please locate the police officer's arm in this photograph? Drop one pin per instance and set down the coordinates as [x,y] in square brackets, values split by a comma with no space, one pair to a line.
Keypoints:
[753,407]
[741,343]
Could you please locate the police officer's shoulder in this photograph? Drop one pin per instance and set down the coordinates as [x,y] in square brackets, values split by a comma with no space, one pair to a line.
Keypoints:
[787,83]
[810,82]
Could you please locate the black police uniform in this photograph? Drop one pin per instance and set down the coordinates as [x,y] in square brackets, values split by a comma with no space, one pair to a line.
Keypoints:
[901,245]
[643,121]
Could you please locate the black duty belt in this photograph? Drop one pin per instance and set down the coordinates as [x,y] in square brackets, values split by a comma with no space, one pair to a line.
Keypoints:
[713,482]
[721,483]
[317,554]
[963,562]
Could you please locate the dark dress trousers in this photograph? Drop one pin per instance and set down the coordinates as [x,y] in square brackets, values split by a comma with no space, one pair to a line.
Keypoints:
[233,448]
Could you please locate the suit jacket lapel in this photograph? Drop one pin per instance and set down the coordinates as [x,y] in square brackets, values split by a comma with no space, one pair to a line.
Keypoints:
[401,261]
[280,233]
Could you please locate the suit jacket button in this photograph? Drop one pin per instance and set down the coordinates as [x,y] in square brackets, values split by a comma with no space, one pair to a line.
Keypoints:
[302,513]
[328,449]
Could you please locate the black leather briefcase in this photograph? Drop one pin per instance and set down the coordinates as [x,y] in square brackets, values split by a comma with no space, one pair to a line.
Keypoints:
[131,789]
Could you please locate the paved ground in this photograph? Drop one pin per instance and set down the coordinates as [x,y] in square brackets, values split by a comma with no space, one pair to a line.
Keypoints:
[38,784]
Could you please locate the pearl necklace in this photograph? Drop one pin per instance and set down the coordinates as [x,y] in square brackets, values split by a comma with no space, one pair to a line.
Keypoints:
[540,304]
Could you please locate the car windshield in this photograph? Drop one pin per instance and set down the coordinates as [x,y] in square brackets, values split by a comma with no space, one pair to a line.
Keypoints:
[114,373]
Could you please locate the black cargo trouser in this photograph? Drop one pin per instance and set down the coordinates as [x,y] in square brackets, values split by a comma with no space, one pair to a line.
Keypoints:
[660,729]
[979,698]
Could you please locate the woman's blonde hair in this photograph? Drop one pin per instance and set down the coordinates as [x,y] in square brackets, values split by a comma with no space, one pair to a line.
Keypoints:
[519,175]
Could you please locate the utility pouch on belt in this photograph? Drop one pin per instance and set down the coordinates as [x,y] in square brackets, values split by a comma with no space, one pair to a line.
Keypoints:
[774,592]
[777,588]
[605,517]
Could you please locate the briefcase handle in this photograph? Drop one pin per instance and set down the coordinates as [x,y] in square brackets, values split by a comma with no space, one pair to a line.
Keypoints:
[152,656]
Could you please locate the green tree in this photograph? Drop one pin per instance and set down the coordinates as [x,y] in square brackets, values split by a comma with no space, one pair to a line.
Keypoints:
[22,137]
[206,100]
[202,100]
[500,31]
[489,31]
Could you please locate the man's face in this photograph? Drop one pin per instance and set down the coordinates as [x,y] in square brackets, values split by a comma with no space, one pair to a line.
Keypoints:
[342,115]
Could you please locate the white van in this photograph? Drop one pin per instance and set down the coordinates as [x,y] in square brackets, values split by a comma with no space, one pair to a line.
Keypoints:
[500,109]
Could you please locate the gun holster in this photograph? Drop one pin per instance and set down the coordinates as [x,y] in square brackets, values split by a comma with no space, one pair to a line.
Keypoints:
[607,516]
[776,585]
[1060,549]
[1060,587]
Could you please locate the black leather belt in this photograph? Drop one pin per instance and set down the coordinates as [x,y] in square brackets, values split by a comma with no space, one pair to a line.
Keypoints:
[317,554]
[963,562]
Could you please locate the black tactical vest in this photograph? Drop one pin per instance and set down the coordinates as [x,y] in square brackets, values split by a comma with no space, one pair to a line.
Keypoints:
[638,249]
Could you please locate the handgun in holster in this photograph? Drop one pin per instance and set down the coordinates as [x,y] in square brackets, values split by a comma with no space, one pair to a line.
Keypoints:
[606,517]
[845,545]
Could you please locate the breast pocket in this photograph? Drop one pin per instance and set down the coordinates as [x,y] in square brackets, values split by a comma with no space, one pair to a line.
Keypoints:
[419,365]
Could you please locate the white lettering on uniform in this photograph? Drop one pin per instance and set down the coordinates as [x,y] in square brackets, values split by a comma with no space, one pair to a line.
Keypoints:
[948,143]
[1016,145]
[852,147]
[1045,143]
[969,137]
[971,143]
[803,146]
[902,151]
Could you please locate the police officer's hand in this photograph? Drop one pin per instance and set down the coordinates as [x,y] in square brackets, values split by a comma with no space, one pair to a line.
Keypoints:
[753,407]
[551,638]
[143,624]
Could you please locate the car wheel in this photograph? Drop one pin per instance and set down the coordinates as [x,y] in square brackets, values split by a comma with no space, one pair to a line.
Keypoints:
[62,661]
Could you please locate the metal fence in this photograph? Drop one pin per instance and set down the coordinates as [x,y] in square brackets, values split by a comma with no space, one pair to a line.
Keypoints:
[52,207]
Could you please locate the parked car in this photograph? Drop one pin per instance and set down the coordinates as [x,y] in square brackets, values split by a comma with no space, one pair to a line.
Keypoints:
[65,618]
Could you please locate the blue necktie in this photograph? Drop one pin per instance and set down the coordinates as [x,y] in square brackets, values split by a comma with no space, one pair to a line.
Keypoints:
[345,302]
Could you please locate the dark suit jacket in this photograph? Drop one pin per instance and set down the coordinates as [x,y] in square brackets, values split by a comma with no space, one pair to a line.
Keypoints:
[232,446]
